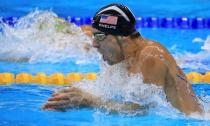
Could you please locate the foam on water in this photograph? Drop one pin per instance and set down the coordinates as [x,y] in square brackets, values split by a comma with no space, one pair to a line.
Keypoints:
[196,61]
[114,83]
[41,37]
[206,45]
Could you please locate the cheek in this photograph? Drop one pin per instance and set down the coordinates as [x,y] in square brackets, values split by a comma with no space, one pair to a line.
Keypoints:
[109,48]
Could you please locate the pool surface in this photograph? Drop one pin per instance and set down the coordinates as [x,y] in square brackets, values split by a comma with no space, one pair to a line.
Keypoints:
[163,8]
[29,48]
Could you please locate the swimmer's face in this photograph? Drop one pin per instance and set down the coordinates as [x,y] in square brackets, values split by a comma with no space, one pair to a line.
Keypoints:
[107,45]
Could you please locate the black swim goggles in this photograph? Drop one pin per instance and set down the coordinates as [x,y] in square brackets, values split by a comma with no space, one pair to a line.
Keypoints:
[99,36]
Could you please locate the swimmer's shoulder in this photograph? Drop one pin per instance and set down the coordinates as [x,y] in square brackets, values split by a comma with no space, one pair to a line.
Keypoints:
[157,48]
[151,47]
[154,44]
[155,51]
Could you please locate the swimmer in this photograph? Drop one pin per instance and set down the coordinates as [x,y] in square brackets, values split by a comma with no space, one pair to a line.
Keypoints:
[117,39]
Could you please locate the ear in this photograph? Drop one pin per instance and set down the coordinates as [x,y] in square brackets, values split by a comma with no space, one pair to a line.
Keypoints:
[126,38]
[87,29]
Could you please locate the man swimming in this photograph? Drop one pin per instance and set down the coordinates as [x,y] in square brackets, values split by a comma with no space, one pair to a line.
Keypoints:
[116,38]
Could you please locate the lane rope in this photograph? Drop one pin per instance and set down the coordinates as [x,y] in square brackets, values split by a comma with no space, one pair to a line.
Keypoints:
[42,78]
[67,79]
[141,22]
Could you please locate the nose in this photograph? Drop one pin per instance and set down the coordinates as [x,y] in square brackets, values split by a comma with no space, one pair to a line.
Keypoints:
[95,44]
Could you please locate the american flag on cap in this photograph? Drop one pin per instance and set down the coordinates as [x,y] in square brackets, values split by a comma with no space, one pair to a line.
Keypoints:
[108,19]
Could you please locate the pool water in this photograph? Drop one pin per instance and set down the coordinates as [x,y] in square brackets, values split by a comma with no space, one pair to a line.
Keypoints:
[23,109]
[21,52]
[163,8]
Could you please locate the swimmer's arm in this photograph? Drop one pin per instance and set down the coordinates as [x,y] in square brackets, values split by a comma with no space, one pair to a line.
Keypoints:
[124,108]
[179,92]
[157,70]
[76,98]
[71,98]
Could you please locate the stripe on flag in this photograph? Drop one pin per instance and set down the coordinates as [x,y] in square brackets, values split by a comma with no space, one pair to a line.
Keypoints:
[108,19]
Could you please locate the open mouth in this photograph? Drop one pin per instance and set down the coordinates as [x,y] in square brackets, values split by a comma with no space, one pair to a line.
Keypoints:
[104,58]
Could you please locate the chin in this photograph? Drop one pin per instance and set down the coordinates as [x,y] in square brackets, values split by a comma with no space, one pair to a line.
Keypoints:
[111,62]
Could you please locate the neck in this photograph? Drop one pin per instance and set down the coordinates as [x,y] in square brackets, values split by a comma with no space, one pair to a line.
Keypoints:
[132,46]
[131,49]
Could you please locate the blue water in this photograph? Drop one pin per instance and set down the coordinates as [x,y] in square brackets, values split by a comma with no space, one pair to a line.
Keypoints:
[47,68]
[23,109]
[163,8]
[20,104]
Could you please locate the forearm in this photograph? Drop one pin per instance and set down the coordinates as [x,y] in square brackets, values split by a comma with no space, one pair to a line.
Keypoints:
[179,92]
[122,107]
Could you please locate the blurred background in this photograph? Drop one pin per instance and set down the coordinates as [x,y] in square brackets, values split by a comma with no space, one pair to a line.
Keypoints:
[161,8]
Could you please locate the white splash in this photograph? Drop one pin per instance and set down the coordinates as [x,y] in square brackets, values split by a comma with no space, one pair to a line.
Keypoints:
[195,61]
[206,45]
[114,82]
[197,40]
[41,37]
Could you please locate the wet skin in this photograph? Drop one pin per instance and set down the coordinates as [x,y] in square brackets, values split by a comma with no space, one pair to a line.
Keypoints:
[143,56]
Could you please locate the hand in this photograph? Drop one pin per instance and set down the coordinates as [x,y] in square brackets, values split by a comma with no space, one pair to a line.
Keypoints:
[70,98]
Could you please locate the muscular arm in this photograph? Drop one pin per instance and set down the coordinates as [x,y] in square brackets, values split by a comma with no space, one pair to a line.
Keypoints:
[179,92]
[158,70]
[77,98]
